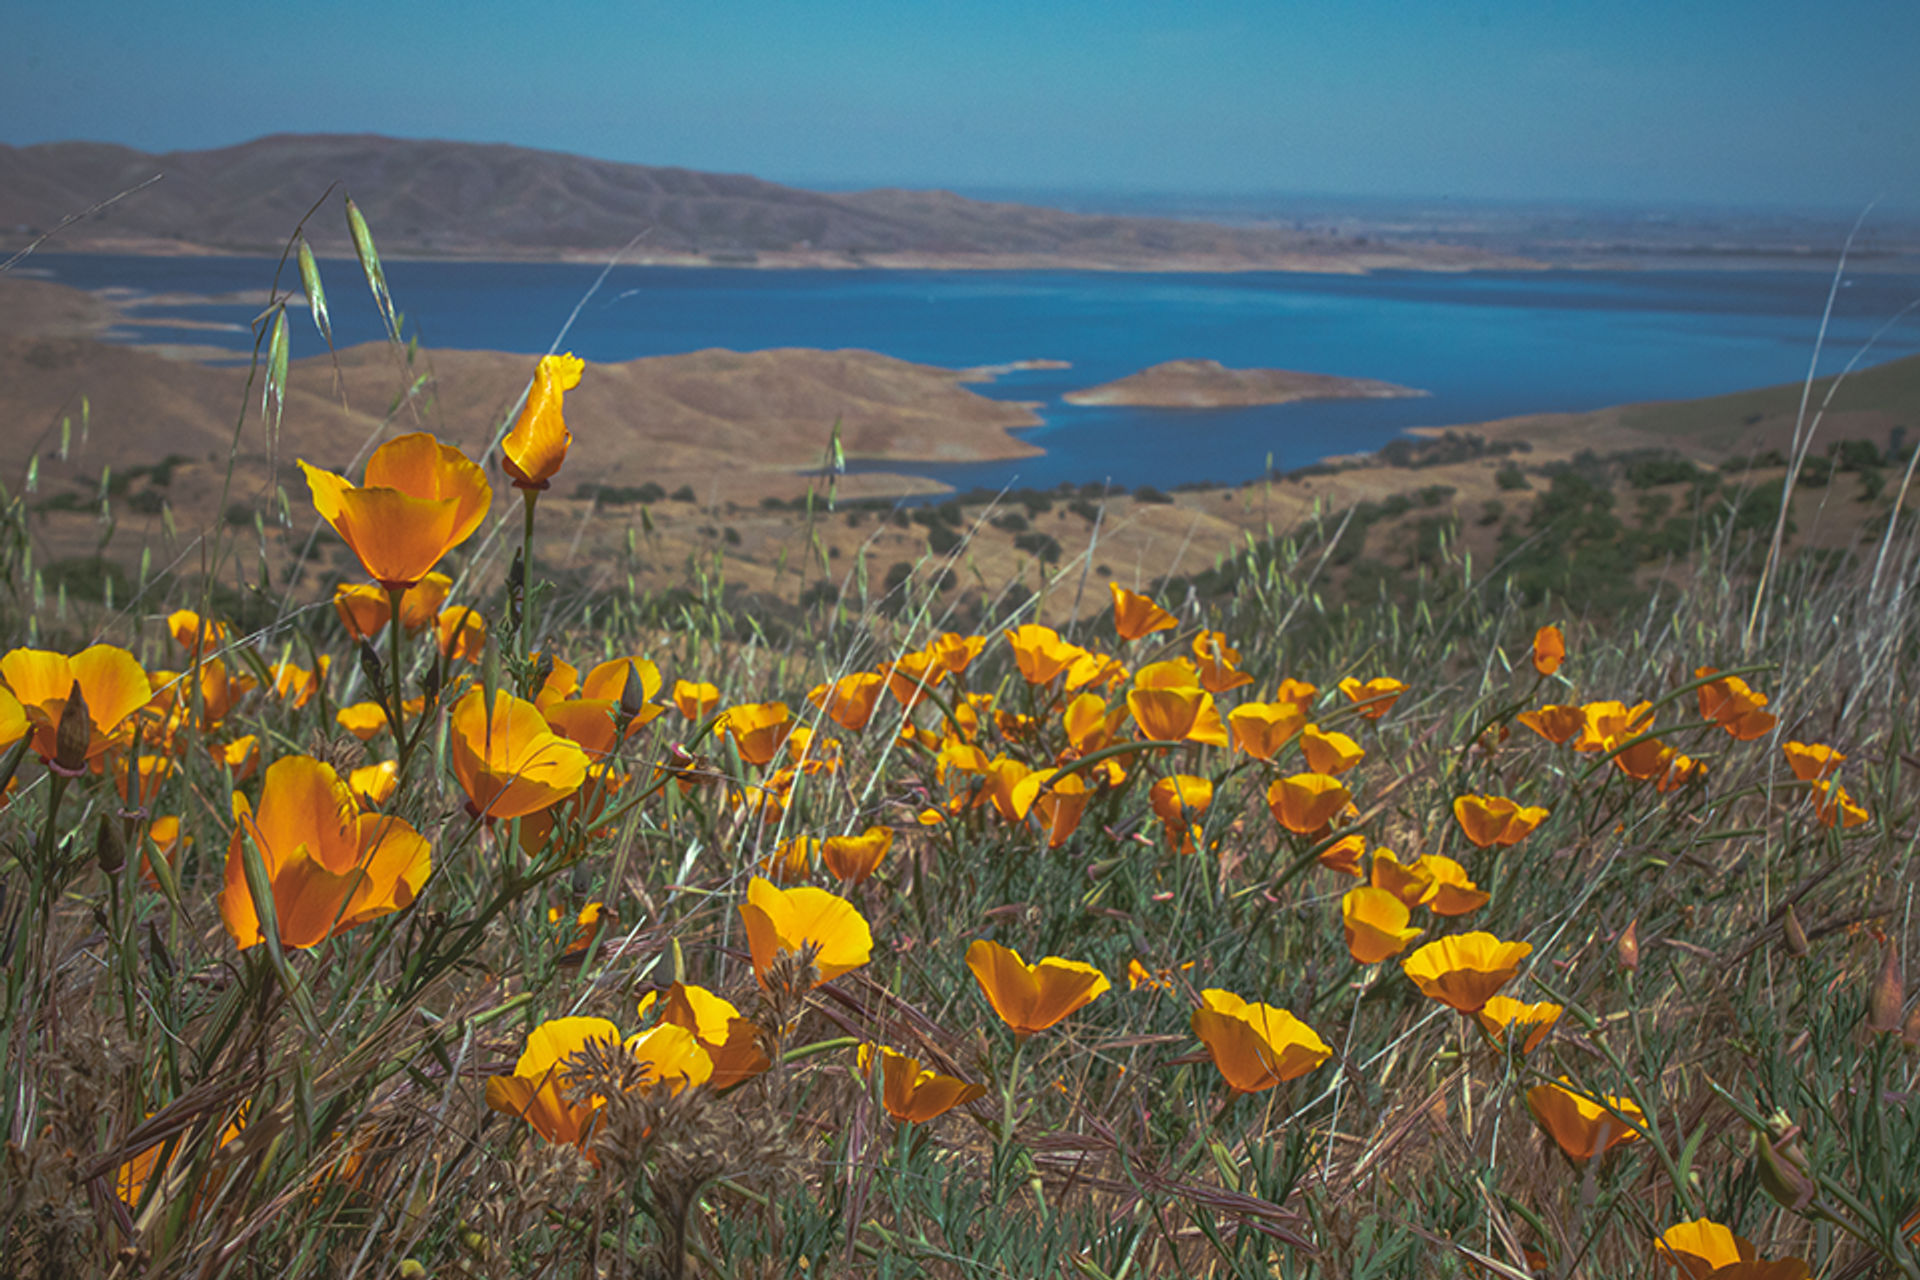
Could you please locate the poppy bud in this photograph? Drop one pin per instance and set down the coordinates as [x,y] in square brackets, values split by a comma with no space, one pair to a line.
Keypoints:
[1628,948]
[1888,995]
[371,666]
[75,733]
[1911,1031]
[1781,1177]
[109,850]
[633,693]
[1796,937]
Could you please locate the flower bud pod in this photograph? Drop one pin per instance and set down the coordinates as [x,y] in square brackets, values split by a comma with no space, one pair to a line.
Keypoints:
[75,733]
[1781,1177]
[1795,936]
[1888,996]
[1628,948]
[109,850]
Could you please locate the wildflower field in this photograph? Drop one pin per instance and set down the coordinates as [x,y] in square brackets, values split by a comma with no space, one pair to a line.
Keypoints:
[449,924]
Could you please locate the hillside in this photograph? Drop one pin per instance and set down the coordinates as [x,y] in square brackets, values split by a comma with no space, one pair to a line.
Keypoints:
[467,200]
[1207,384]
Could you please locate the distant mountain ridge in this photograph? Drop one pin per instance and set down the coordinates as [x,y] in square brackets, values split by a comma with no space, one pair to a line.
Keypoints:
[474,200]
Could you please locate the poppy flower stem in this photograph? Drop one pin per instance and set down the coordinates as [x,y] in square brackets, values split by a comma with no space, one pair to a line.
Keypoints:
[1009,1096]
[529,498]
[397,713]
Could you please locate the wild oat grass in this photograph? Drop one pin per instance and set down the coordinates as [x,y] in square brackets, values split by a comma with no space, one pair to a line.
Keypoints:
[1728,953]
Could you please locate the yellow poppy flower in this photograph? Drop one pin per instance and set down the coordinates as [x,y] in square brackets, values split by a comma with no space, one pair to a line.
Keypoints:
[1343,855]
[854,858]
[195,634]
[791,860]
[329,865]
[1261,729]
[1329,753]
[1834,807]
[1812,762]
[507,759]
[1583,1128]
[534,1091]
[1549,650]
[374,784]
[758,730]
[108,678]
[1091,724]
[1452,893]
[1134,615]
[1503,1017]
[1060,799]
[421,499]
[850,700]
[911,1093]
[461,634]
[731,1042]
[1465,971]
[533,451]
[1306,802]
[1032,997]
[695,700]
[779,921]
[1041,654]
[1374,698]
[1496,820]
[1557,724]
[1411,883]
[1255,1046]
[296,684]
[1376,924]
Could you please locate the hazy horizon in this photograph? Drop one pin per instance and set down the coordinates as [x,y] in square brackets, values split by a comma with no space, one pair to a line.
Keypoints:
[1760,105]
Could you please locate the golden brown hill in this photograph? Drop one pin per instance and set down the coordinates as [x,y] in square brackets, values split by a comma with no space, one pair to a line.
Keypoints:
[451,199]
[1208,384]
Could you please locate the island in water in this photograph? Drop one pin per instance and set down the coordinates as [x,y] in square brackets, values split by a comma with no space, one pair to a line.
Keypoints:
[1208,384]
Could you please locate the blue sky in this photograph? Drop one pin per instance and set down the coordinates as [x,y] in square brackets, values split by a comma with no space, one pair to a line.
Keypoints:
[1679,100]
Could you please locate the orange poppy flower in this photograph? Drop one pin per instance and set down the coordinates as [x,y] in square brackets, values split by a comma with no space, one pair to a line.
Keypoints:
[1166,701]
[241,756]
[1344,854]
[1041,654]
[1834,807]
[364,720]
[1557,724]
[508,759]
[536,1090]
[1452,893]
[1549,650]
[779,921]
[1374,698]
[1583,1128]
[1735,707]
[910,675]
[1706,1250]
[631,684]
[1179,801]
[1681,770]
[461,634]
[110,681]
[421,499]
[374,784]
[1329,753]
[1376,924]
[1032,997]
[1411,883]
[1134,615]
[195,634]
[1060,799]
[758,730]
[1298,692]
[1261,729]
[1496,820]
[1610,723]
[330,866]
[1091,724]
[1255,1046]
[854,858]
[953,651]
[296,684]
[1503,1017]
[533,451]
[139,783]
[695,700]
[1091,669]
[1466,970]
[812,754]
[850,700]
[1812,762]
[913,1094]
[731,1042]
[791,860]
[1306,802]
[1219,663]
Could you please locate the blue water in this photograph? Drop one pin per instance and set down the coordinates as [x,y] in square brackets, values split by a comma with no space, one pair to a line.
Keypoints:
[1486,345]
